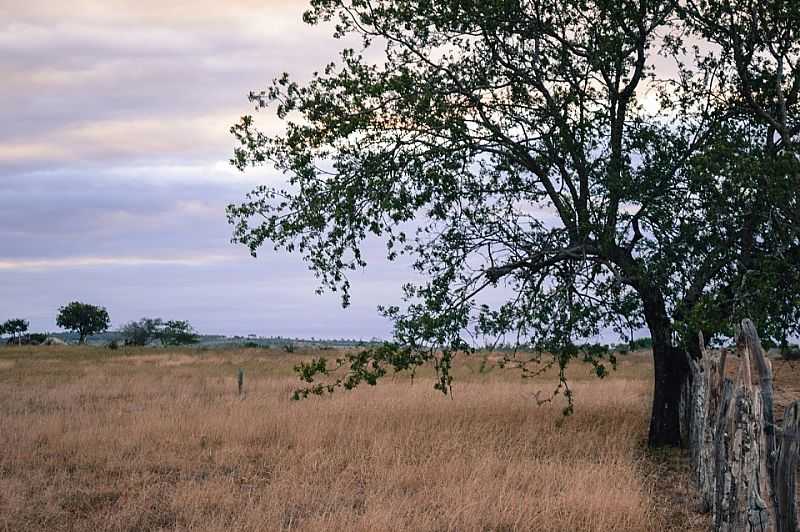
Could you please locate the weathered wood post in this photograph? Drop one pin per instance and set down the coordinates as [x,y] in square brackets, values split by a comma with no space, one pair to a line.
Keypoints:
[240,381]
[756,351]
[703,398]
[720,455]
[785,467]
[741,500]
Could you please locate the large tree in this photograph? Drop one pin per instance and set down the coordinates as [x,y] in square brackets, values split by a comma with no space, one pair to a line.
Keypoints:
[533,149]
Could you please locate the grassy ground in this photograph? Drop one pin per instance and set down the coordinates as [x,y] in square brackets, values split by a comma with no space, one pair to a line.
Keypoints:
[130,440]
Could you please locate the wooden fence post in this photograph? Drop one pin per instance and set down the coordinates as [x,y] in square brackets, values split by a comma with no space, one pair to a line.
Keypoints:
[764,366]
[785,467]
[702,404]
[240,381]
[721,473]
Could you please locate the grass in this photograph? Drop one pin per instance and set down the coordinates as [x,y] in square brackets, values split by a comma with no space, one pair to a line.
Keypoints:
[135,440]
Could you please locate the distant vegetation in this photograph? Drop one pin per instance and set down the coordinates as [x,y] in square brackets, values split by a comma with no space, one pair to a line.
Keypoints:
[148,330]
[89,324]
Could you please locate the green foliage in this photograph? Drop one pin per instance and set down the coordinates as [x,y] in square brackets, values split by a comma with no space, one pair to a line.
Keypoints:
[508,150]
[177,332]
[367,365]
[83,318]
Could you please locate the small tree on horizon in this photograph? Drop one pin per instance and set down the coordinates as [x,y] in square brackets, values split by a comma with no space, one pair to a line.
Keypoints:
[83,318]
[16,328]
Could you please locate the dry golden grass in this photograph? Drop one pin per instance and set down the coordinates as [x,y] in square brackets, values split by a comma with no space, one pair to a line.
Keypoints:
[92,439]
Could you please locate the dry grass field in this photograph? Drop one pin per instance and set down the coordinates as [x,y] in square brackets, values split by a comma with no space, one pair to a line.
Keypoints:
[135,440]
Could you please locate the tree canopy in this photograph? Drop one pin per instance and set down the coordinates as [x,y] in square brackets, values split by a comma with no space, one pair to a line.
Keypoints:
[83,318]
[600,165]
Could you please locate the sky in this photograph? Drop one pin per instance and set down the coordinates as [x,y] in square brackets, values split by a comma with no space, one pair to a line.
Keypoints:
[114,173]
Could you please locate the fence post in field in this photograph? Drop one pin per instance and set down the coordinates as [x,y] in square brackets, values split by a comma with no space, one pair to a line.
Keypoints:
[240,381]
[764,366]
[785,466]
[720,452]
[704,396]
[739,505]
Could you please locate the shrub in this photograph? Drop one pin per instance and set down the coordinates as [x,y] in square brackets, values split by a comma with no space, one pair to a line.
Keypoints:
[141,332]
[790,352]
[36,338]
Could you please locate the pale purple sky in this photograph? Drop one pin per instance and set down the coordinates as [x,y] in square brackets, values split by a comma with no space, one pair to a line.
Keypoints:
[113,166]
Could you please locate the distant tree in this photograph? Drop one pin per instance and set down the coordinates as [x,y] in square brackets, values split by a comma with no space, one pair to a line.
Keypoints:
[16,328]
[177,332]
[141,332]
[83,318]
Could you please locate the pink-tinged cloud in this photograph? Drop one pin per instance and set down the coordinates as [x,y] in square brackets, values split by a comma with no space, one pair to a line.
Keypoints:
[95,262]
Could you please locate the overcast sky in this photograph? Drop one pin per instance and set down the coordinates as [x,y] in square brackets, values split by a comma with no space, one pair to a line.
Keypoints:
[113,166]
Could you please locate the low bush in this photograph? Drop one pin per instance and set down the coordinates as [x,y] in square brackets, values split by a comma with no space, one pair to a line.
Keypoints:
[791,352]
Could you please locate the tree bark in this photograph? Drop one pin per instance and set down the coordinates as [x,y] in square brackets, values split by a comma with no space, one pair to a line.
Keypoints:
[671,370]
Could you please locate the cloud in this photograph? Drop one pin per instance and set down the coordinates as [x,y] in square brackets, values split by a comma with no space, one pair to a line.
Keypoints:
[115,80]
[94,262]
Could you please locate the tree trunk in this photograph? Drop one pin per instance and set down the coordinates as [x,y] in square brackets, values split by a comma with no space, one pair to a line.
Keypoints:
[670,363]
[670,372]
[671,369]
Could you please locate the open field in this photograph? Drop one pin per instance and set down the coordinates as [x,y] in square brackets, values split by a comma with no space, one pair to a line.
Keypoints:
[134,440]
